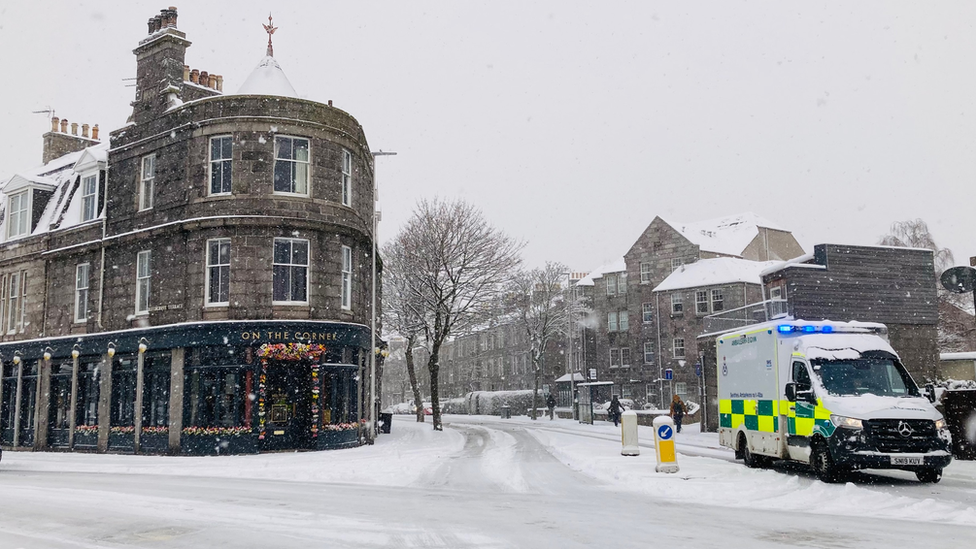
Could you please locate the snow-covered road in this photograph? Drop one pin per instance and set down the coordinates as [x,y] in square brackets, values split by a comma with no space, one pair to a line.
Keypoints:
[483,483]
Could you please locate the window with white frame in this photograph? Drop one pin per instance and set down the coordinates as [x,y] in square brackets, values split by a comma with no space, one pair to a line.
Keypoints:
[89,197]
[623,321]
[681,388]
[677,302]
[718,301]
[614,358]
[701,302]
[3,300]
[679,347]
[81,292]
[291,165]
[611,284]
[14,317]
[221,159]
[147,182]
[647,312]
[19,223]
[143,273]
[625,356]
[648,352]
[645,270]
[622,283]
[290,270]
[346,178]
[346,277]
[218,271]
[676,262]
[612,321]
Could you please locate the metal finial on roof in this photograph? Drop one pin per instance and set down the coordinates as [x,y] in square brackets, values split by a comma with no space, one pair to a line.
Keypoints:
[270,29]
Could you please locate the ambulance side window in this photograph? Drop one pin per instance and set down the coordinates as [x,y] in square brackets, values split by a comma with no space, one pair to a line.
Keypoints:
[800,374]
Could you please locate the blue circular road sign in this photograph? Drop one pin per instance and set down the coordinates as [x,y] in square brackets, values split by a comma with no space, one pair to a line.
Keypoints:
[664,432]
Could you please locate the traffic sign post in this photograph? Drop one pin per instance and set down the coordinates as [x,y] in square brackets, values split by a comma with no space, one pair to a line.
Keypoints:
[668,374]
[667,457]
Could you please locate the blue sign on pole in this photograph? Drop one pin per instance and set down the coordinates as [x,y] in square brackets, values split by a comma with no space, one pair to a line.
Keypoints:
[698,369]
[668,374]
[664,432]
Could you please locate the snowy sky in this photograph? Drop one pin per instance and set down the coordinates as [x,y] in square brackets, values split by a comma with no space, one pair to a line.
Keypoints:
[572,124]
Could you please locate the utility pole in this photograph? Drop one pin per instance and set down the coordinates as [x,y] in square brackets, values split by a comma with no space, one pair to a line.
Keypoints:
[372,309]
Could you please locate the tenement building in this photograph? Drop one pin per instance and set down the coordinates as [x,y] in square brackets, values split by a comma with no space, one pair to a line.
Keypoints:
[199,282]
[646,309]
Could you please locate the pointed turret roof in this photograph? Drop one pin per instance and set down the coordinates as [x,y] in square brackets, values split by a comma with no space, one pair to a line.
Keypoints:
[268,78]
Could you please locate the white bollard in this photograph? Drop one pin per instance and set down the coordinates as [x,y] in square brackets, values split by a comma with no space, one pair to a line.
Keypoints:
[667,458]
[628,433]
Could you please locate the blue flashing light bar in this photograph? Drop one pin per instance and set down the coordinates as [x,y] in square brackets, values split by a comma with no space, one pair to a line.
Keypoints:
[827,329]
[809,329]
[784,328]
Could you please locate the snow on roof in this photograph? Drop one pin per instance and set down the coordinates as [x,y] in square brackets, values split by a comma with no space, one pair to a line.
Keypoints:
[63,209]
[841,346]
[576,377]
[725,235]
[958,356]
[709,272]
[268,79]
[615,266]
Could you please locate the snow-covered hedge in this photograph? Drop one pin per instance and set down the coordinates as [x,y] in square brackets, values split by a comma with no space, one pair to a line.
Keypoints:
[491,402]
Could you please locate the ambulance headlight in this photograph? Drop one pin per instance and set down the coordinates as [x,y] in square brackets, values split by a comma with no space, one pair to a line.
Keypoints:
[843,421]
[940,424]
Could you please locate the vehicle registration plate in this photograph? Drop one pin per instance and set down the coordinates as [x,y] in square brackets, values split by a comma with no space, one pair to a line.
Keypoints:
[905,460]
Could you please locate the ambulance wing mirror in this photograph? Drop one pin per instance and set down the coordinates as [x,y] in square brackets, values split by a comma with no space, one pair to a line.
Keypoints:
[791,391]
[929,392]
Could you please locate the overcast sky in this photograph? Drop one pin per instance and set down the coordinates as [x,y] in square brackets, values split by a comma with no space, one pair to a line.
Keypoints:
[572,124]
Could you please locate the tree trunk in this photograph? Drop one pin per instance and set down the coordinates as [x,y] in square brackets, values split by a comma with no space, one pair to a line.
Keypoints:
[435,403]
[536,363]
[417,399]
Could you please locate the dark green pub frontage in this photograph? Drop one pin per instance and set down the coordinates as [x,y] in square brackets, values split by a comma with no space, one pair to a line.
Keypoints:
[206,388]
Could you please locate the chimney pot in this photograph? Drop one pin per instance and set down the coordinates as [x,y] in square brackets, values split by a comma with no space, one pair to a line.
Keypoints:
[186,72]
[84,130]
[95,132]
[54,124]
[74,128]
[220,83]
[330,102]
[195,76]
[172,16]
[152,25]
[205,79]
[64,125]
[157,23]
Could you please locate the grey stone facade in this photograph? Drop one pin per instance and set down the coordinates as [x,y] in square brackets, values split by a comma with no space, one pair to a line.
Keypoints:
[172,213]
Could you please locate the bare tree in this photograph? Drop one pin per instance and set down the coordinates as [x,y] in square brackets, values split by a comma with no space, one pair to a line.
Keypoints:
[455,266]
[403,313]
[540,301]
[914,233]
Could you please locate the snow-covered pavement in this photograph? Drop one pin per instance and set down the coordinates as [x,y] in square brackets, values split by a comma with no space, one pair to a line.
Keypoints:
[483,482]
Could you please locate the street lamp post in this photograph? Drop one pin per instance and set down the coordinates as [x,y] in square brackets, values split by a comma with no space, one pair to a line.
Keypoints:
[372,309]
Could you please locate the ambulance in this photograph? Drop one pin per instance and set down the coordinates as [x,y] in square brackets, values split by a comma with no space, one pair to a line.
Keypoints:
[834,395]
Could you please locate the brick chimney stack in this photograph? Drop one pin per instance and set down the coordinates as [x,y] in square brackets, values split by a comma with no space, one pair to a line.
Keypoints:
[159,66]
[58,142]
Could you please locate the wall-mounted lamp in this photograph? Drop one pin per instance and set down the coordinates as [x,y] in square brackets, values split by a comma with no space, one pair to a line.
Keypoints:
[111,349]
[47,353]
[75,351]
[143,345]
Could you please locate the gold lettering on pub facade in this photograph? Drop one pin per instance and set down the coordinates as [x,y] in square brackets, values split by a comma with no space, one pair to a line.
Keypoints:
[304,337]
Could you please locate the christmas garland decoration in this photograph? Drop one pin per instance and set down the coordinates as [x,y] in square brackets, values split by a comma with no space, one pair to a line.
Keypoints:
[288,352]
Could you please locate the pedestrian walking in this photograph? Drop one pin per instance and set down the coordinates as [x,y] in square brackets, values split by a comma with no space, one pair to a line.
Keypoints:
[613,410]
[678,410]
[551,404]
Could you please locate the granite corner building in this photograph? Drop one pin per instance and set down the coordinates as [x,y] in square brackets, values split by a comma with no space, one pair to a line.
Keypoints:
[197,283]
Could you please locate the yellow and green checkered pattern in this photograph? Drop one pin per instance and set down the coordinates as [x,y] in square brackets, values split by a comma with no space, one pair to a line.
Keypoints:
[804,418]
[757,415]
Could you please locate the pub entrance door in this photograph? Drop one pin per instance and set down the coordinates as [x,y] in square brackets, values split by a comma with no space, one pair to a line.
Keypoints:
[289,406]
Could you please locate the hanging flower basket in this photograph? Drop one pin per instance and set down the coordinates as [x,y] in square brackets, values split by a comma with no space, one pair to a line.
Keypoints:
[291,351]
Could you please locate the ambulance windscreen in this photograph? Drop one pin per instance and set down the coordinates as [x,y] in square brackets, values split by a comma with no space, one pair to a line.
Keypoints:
[880,376]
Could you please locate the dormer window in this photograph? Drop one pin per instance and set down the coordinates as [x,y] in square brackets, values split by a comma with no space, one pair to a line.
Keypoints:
[89,197]
[291,165]
[19,224]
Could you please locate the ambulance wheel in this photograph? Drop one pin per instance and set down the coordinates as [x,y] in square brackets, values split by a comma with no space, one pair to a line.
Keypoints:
[823,465]
[752,460]
[929,476]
